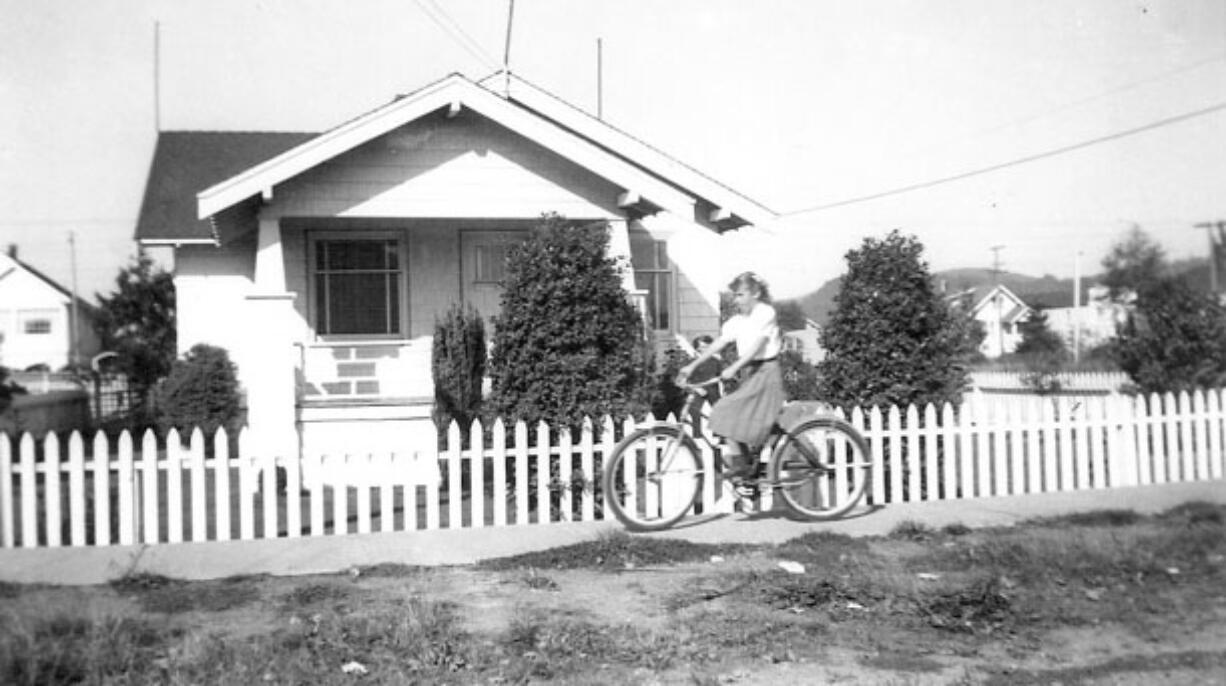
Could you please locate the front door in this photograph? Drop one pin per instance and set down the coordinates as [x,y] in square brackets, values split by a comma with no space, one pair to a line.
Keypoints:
[483,257]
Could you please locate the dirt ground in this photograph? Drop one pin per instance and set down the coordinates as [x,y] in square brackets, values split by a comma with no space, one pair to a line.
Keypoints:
[1108,599]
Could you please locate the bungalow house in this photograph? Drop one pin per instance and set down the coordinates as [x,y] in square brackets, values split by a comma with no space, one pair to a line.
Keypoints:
[37,326]
[1000,311]
[320,261]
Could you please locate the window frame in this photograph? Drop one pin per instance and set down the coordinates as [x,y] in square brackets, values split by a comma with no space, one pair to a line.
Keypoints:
[658,270]
[315,237]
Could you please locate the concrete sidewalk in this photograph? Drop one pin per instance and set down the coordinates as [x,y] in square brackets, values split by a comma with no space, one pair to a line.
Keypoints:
[327,554]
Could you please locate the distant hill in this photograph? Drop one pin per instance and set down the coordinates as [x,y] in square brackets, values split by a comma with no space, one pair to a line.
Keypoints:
[1037,291]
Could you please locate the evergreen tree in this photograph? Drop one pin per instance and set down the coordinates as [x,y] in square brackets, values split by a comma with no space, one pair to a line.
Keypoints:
[892,339]
[137,321]
[458,366]
[200,391]
[1133,261]
[1038,337]
[567,342]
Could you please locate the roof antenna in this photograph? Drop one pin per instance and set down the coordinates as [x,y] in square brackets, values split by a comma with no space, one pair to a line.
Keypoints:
[599,78]
[157,76]
[506,55]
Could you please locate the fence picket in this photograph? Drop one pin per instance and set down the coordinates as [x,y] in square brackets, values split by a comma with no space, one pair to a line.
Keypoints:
[293,496]
[876,446]
[949,449]
[125,474]
[895,437]
[1098,437]
[1200,420]
[930,454]
[500,472]
[221,484]
[476,478]
[8,510]
[587,510]
[1016,440]
[455,477]
[150,490]
[1165,464]
[340,498]
[999,456]
[102,490]
[566,480]
[1032,412]
[543,501]
[29,493]
[966,451]
[522,486]
[1217,426]
[607,441]
[246,487]
[51,490]
[317,486]
[76,489]
[199,497]
[1187,452]
[174,487]
[268,494]
[387,494]
[362,489]
[408,497]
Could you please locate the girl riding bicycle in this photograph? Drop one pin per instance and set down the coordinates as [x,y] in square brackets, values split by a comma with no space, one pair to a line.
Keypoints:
[744,418]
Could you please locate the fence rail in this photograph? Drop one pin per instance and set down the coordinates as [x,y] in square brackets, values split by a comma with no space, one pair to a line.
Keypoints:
[113,491]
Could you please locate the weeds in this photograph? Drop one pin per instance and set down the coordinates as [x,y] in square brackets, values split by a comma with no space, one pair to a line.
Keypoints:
[911,530]
[612,551]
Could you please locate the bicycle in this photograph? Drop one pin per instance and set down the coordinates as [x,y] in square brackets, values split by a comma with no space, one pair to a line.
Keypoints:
[820,465]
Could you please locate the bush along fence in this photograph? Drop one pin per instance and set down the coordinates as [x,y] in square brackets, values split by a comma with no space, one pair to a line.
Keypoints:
[105,492]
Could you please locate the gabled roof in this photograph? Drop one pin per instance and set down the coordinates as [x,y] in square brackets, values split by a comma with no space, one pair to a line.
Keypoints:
[187,162]
[10,264]
[641,171]
[1015,309]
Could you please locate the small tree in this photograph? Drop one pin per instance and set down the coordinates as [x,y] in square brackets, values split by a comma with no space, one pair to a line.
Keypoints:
[137,321]
[458,366]
[1173,340]
[1043,353]
[1132,262]
[892,339]
[201,391]
[567,343]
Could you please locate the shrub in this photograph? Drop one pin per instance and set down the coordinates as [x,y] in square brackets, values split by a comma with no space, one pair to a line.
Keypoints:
[1174,339]
[458,366]
[567,343]
[892,339]
[201,390]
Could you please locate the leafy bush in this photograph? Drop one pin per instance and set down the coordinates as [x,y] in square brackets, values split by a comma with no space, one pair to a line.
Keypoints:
[8,389]
[800,378]
[1174,339]
[458,366]
[892,340]
[567,343]
[201,390]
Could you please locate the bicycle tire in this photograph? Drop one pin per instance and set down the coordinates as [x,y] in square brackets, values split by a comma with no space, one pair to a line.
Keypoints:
[643,496]
[821,468]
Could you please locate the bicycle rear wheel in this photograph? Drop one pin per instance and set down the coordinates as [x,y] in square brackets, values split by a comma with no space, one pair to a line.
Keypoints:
[821,468]
[653,478]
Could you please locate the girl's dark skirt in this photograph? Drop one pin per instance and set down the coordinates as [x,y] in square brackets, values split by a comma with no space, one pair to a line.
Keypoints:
[748,413]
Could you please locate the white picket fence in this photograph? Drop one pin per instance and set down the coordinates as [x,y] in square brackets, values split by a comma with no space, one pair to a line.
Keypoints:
[104,493]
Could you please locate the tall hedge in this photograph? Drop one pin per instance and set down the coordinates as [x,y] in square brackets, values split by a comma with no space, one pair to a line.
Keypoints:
[458,366]
[567,342]
[200,391]
[892,340]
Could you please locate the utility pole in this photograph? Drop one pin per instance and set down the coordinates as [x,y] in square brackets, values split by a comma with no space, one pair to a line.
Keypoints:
[1000,325]
[1077,307]
[74,325]
[1216,246]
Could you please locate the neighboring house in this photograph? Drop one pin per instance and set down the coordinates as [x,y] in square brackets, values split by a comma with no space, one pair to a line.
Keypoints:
[1088,325]
[36,319]
[321,261]
[806,342]
[1000,312]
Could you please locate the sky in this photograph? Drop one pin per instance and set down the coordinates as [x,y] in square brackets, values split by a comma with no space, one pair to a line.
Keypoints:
[1032,135]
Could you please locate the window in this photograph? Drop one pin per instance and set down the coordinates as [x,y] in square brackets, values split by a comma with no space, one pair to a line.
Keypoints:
[653,274]
[357,286]
[38,326]
[491,262]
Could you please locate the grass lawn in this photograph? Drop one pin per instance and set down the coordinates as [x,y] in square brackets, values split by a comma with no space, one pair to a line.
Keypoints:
[1101,597]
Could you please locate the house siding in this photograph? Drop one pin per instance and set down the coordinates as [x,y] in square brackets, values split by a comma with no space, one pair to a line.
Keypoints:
[466,166]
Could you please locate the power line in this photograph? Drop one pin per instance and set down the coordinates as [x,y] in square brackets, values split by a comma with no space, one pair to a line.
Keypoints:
[1013,163]
[453,29]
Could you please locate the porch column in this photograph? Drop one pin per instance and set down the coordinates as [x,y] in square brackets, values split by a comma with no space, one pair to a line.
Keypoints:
[270,372]
[619,247]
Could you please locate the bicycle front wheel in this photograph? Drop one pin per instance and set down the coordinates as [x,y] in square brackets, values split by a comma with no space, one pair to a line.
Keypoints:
[653,478]
[821,468]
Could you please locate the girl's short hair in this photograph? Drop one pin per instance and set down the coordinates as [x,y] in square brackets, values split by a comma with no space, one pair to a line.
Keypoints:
[752,280]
